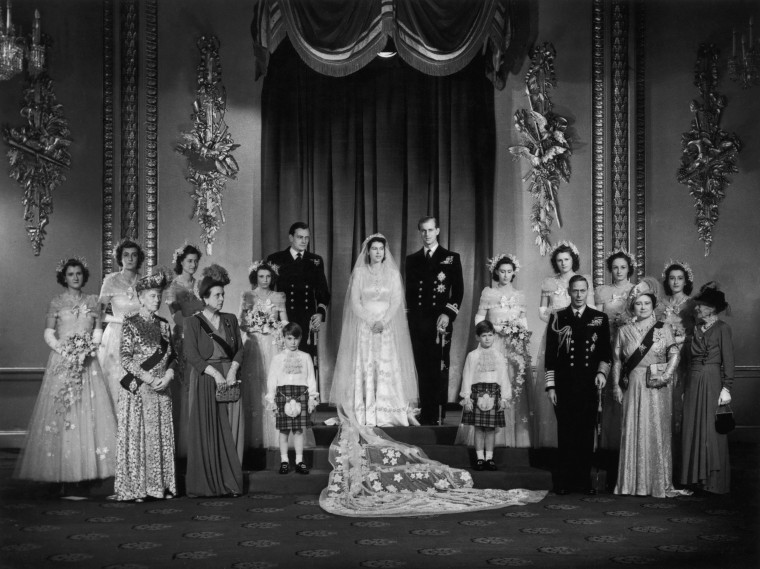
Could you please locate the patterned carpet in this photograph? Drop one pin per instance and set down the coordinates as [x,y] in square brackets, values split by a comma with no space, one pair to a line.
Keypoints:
[262,530]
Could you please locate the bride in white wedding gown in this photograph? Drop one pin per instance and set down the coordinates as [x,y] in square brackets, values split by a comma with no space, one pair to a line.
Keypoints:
[375,384]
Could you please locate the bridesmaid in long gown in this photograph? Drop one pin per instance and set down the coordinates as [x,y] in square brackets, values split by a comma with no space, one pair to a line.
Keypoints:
[145,459]
[677,309]
[611,299]
[72,433]
[214,351]
[505,307]
[566,261]
[118,291]
[711,377]
[261,317]
[645,466]
[182,299]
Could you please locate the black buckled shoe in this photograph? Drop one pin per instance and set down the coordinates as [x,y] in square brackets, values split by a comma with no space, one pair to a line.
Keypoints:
[284,468]
[480,465]
[491,465]
[301,468]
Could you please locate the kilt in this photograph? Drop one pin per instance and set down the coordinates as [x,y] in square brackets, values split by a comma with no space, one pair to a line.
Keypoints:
[284,394]
[478,418]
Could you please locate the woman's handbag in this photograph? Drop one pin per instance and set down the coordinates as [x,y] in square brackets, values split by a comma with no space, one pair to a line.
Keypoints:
[724,419]
[655,373]
[227,393]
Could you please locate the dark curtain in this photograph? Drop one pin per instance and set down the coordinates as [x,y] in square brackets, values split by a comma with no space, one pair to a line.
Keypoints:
[373,152]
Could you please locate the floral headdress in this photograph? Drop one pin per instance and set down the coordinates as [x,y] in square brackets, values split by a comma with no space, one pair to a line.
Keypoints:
[178,252]
[121,243]
[685,266]
[569,244]
[62,263]
[628,255]
[256,265]
[492,263]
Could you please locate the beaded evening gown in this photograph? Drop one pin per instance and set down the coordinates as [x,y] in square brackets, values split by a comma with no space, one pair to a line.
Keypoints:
[510,309]
[71,439]
[544,422]
[645,466]
[259,318]
[119,292]
[183,301]
[611,300]
[680,315]
[145,459]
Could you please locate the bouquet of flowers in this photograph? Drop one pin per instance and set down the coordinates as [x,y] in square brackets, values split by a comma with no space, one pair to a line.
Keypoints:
[517,337]
[74,349]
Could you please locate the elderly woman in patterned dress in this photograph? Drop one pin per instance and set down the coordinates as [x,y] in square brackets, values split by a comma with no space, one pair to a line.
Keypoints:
[145,451]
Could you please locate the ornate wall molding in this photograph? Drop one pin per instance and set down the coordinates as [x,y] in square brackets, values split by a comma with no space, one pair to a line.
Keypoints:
[108,138]
[151,133]
[129,126]
[597,137]
[620,145]
[639,56]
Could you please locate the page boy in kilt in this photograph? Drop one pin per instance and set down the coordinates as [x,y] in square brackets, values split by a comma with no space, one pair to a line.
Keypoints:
[485,393]
[292,394]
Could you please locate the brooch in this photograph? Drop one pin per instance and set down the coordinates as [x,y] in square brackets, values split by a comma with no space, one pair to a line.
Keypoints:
[441,276]
[441,288]
[448,260]
[594,336]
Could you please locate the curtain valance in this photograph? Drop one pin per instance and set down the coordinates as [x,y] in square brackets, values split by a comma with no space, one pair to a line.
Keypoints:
[339,37]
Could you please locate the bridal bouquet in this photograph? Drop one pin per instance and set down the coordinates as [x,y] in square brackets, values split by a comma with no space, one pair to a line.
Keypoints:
[517,337]
[74,349]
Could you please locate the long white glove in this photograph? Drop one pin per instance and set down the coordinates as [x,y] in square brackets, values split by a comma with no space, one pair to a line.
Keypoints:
[725,397]
[51,340]
[544,312]
[97,335]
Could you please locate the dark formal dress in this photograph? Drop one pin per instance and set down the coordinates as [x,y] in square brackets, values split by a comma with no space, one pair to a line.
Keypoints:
[705,451]
[215,429]
[305,287]
[434,286]
[577,348]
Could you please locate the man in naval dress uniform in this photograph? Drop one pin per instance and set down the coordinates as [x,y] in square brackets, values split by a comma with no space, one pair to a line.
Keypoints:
[302,279]
[434,291]
[578,357]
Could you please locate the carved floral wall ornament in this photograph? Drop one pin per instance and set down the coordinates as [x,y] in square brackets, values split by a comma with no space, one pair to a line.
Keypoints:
[209,145]
[39,154]
[544,146]
[709,153]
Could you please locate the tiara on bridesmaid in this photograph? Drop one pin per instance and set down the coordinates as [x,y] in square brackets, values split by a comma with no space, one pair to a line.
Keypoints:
[568,244]
[627,253]
[62,263]
[682,264]
[256,265]
[495,261]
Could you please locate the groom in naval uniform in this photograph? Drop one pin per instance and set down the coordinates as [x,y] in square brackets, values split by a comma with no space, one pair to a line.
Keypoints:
[434,291]
[302,279]
[578,357]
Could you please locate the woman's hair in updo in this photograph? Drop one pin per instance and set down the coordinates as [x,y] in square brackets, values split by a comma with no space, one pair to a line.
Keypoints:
[128,244]
[253,276]
[186,250]
[60,274]
[688,286]
[620,255]
[376,239]
[499,263]
[573,255]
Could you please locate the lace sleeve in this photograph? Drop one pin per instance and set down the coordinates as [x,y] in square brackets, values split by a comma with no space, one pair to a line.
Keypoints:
[397,294]
[356,298]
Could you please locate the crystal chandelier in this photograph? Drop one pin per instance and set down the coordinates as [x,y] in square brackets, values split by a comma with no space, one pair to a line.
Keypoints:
[743,67]
[14,48]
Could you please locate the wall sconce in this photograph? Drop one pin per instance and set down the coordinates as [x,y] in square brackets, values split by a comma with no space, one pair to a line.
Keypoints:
[13,48]
[743,67]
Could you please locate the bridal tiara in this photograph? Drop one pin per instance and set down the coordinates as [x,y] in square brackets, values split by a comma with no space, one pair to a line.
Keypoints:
[683,264]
